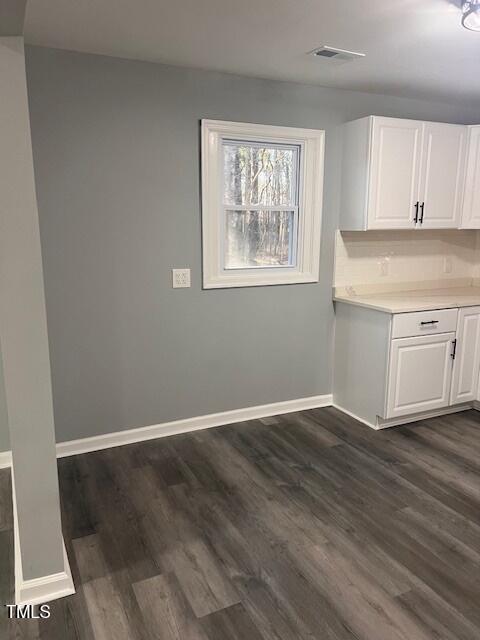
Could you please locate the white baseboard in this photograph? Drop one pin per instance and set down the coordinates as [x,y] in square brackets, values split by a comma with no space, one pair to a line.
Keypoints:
[5,459]
[382,423]
[43,589]
[355,417]
[139,434]
[46,588]
[395,422]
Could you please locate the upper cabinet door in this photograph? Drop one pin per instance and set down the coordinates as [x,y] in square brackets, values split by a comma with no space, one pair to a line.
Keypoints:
[396,147]
[471,202]
[442,175]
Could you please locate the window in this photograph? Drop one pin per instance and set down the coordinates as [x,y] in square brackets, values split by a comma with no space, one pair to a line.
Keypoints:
[261,204]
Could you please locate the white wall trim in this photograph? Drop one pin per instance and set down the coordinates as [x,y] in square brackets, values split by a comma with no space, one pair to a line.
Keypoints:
[424,415]
[45,588]
[140,434]
[355,417]
[118,438]
[396,422]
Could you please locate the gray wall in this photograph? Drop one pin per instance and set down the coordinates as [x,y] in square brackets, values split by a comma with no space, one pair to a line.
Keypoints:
[12,17]
[23,331]
[4,435]
[116,151]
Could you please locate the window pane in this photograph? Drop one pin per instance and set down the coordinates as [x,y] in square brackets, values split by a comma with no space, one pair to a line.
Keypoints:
[255,174]
[259,239]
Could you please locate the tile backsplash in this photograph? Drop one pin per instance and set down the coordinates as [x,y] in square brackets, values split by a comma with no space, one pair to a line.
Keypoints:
[392,257]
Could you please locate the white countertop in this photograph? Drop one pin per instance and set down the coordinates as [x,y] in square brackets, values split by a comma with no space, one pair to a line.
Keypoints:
[407,301]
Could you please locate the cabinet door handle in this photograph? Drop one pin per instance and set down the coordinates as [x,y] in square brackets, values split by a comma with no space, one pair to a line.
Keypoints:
[422,207]
[429,322]
[416,212]
[454,350]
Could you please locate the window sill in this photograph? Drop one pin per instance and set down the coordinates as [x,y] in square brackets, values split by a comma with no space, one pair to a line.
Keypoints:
[256,280]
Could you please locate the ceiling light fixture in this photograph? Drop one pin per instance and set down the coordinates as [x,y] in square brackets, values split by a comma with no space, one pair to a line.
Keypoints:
[471,15]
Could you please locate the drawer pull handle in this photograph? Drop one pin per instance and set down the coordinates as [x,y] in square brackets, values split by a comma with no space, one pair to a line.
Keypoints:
[429,322]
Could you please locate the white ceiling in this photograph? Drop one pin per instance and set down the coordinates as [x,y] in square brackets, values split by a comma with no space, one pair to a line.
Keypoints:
[413,47]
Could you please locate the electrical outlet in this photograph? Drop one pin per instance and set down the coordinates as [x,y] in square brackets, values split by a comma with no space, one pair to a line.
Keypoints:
[384,263]
[447,264]
[384,266]
[180,278]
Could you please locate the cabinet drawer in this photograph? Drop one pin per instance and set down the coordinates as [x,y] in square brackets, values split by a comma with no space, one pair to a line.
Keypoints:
[422,323]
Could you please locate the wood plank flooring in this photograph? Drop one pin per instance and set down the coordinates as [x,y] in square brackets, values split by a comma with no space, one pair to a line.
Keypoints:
[306,526]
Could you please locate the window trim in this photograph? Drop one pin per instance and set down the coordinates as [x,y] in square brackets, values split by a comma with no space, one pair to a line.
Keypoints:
[311,167]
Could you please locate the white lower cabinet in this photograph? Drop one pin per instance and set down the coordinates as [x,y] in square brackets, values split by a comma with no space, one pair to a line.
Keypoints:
[396,368]
[420,374]
[467,356]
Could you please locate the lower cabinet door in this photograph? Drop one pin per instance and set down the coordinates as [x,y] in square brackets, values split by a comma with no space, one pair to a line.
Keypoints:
[467,356]
[420,373]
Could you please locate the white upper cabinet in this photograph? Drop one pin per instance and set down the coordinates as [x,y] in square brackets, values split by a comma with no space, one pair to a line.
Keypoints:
[442,175]
[394,173]
[471,201]
[402,174]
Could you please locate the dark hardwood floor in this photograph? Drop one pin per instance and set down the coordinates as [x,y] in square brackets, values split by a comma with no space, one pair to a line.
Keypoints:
[305,526]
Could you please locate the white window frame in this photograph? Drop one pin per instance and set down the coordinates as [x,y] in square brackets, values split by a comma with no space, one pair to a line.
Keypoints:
[309,219]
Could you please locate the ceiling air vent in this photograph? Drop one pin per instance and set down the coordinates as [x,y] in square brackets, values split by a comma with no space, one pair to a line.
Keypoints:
[337,55]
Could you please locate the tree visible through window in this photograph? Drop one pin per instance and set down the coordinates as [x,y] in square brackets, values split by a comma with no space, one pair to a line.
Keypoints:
[261,204]
[260,200]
